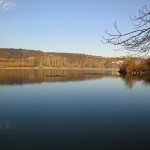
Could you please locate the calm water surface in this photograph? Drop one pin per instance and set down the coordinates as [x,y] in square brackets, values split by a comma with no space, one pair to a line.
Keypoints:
[73,110]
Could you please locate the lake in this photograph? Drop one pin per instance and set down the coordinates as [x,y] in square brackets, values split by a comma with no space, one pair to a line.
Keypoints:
[73,109]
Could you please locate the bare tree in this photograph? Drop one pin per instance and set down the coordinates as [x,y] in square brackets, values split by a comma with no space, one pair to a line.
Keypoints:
[138,39]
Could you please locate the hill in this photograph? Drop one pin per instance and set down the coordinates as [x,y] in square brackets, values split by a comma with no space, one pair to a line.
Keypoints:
[32,58]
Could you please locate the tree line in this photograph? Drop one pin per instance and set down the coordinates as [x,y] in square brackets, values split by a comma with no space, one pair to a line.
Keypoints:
[30,58]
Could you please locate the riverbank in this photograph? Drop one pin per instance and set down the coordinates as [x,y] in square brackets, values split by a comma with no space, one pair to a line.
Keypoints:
[58,68]
[134,71]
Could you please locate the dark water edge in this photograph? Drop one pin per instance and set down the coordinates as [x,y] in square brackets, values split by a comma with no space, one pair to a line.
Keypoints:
[73,109]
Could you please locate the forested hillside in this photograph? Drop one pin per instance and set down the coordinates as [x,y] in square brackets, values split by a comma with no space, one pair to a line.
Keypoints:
[32,58]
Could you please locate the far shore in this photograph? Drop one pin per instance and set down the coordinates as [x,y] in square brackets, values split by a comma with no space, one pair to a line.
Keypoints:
[58,68]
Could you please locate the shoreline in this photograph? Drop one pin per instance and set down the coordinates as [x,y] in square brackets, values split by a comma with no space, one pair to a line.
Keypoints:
[37,68]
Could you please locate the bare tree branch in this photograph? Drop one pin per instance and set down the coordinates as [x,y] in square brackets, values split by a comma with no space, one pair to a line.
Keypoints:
[138,39]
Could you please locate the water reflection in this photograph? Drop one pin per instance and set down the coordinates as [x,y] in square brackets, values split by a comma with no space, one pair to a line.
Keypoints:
[130,80]
[31,76]
[89,115]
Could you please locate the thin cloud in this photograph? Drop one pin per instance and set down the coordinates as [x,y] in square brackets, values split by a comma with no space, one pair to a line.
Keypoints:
[6,5]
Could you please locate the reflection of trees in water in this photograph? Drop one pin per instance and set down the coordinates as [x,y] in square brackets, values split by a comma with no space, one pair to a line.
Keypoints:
[130,80]
[30,76]
[146,81]
[6,126]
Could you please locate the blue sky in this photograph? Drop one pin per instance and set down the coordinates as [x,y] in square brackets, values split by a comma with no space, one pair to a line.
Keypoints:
[74,26]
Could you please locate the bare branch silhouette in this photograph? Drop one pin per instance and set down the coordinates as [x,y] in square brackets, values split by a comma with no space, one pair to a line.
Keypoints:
[138,39]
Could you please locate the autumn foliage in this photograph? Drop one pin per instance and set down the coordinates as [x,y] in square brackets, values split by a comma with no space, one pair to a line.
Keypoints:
[135,68]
